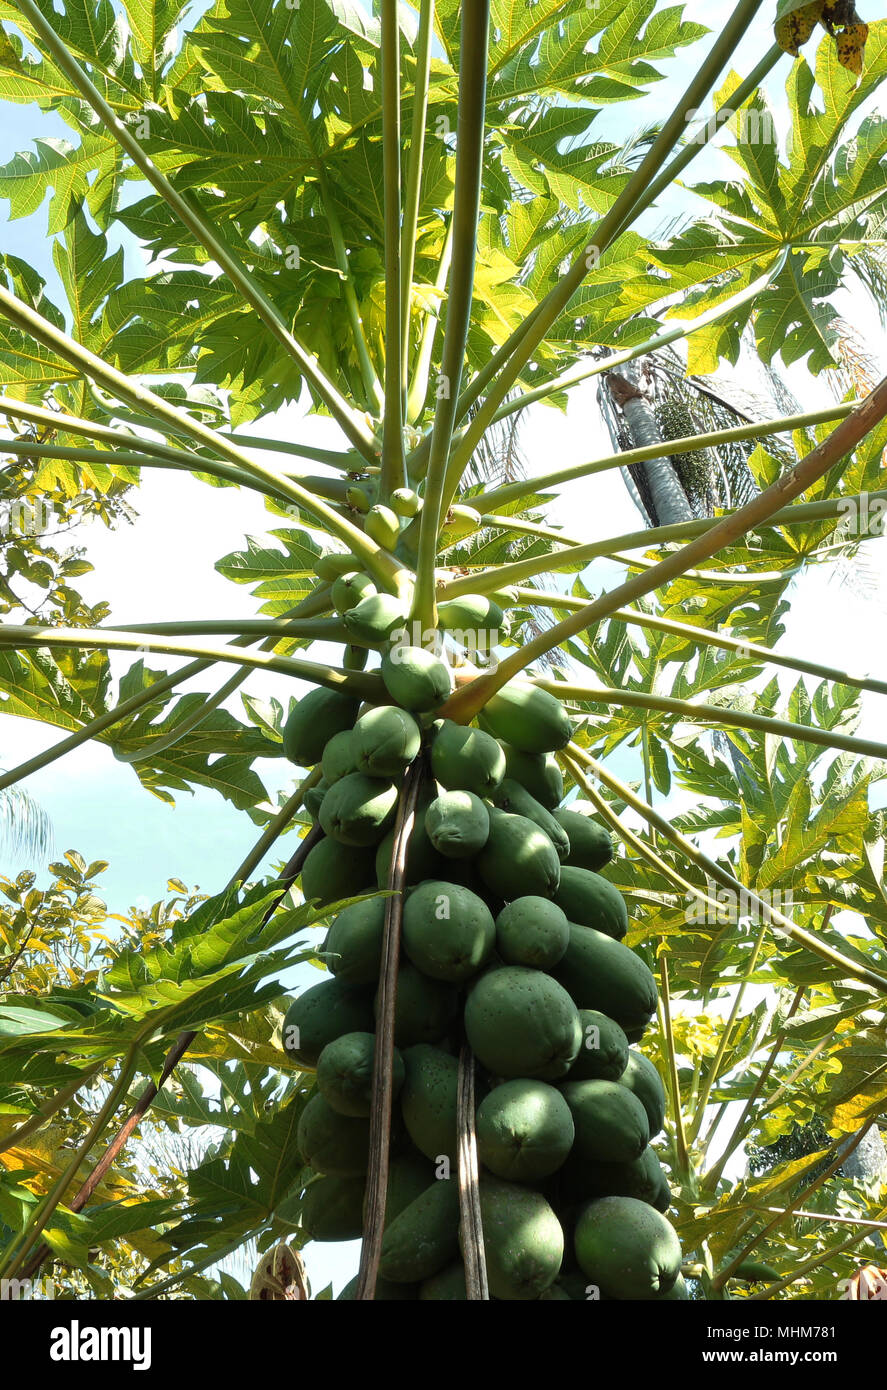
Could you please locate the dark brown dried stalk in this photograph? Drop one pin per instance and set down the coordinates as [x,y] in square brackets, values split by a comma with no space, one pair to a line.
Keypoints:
[470,1223]
[383,1061]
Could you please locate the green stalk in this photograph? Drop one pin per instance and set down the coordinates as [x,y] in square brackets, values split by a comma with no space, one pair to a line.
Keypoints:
[191,463]
[873,978]
[393,473]
[508,363]
[730,1269]
[44,1211]
[841,1248]
[275,829]
[587,369]
[374,397]
[278,628]
[527,528]
[498,576]
[759,511]
[413,191]
[418,391]
[383,566]
[186,726]
[759,429]
[318,629]
[48,1109]
[474,42]
[188,212]
[362,684]
[682,1150]
[712,1178]
[696,713]
[349,463]
[752,651]
[726,1036]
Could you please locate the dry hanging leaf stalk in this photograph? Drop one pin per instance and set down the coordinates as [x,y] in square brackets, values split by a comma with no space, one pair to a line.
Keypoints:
[470,1223]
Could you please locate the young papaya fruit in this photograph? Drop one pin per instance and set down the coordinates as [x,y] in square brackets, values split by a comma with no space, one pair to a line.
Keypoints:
[524,1130]
[333,872]
[405,502]
[511,796]
[457,824]
[540,774]
[382,526]
[532,931]
[322,1013]
[518,859]
[328,567]
[345,1074]
[415,678]
[350,589]
[448,931]
[590,901]
[386,740]
[591,846]
[527,717]
[374,619]
[466,759]
[333,1144]
[470,613]
[313,721]
[357,810]
[339,757]
[521,1023]
[627,1249]
[523,1240]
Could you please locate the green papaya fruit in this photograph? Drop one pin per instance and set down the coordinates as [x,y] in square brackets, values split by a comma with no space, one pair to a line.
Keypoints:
[405,502]
[642,1078]
[339,757]
[523,1240]
[313,798]
[353,947]
[332,872]
[328,567]
[611,1124]
[642,1178]
[448,1285]
[354,658]
[332,1209]
[627,1249]
[532,931]
[528,718]
[417,679]
[518,859]
[314,720]
[521,1023]
[600,973]
[345,1074]
[351,589]
[423,860]
[384,1291]
[603,1055]
[448,931]
[323,1013]
[382,526]
[539,773]
[457,824]
[333,1144]
[408,1176]
[755,1272]
[361,498]
[386,740]
[424,1238]
[459,522]
[465,759]
[470,613]
[425,1010]
[428,1101]
[358,810]
[591,901]
[524,1130]
[591,846]
[512,797]
[374,619]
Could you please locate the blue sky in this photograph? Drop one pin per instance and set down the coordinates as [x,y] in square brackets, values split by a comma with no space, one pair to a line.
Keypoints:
[162,567]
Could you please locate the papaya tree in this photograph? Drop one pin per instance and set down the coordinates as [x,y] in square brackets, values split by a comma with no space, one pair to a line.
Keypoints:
[551,1018]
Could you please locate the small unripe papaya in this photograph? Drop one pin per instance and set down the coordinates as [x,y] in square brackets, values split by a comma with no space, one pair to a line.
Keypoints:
[382,526]
[349,589]
[328,567]
[405,502]
[461,521]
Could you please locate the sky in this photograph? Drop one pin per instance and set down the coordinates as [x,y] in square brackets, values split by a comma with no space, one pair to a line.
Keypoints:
[162,567]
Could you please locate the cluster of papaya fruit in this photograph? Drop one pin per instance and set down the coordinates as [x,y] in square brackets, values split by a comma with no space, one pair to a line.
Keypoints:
[511,941]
